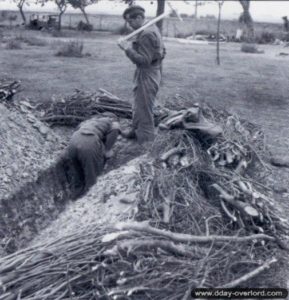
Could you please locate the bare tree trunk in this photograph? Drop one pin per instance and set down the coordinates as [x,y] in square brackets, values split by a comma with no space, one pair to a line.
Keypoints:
[160,10]
[85,15]
[195,19]
[220,4]
[59,20]
[248,21]
[62,11]
[20,6]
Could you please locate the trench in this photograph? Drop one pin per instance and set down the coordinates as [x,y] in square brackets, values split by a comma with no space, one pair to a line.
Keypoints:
[32,207]
[35,204]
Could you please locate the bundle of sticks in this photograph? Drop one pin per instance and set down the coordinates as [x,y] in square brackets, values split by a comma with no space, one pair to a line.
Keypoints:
[81,105]
[73,109]
[8,88]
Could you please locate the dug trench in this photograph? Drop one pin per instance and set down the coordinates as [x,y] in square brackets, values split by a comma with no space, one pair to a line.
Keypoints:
[34,185]
[36,203]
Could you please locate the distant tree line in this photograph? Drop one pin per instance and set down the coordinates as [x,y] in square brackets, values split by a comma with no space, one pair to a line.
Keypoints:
[82,5]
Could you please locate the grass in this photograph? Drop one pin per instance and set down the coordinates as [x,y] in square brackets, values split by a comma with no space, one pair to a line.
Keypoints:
[255,86]
[71,49]
[13,44]
[35,41]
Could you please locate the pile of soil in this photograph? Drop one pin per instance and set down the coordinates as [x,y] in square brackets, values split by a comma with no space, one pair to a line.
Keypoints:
[26,147]
[29,186]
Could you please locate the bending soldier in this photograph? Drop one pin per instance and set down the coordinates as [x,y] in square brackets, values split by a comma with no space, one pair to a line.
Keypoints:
[88,149]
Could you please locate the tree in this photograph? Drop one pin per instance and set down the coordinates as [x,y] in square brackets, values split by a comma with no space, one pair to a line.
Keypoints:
[220,5]
[20,4]
[197,4]
[82,4]
[160,9]
[62,5]
[247,21]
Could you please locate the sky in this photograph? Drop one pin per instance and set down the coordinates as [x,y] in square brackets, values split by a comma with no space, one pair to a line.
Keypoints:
[262,11]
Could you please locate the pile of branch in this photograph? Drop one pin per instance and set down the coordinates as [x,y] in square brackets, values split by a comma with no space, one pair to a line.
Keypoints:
[8,88]
[137,260]
[73,109]
[81,105]
[200,220]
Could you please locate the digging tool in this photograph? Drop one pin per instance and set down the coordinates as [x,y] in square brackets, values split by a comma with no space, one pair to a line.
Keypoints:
[146,25]
[149,23]
[174,10]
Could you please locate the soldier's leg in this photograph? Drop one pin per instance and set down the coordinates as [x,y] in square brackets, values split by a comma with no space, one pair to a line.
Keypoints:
[75,172]
[144,105]
[92,162]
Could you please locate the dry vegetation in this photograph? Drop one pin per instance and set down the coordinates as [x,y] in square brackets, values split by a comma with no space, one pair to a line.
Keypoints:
[71,49]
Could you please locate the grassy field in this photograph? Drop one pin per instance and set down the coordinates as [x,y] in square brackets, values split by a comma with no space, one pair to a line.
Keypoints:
[252,85]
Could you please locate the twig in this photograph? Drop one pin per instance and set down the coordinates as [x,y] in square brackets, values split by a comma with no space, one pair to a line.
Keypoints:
[182,237]
[250,275]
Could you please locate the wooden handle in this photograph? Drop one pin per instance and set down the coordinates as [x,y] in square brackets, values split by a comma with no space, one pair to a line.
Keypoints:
[146,25]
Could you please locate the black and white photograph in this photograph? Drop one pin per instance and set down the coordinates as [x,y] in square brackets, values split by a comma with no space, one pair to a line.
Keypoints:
[144,149]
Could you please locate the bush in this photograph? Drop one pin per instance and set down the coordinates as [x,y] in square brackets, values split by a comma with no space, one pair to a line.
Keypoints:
[34,41]
[71,49]
[205,32]
[182,35]
[84,26]
[285,37]
[250,48]
[57,33]
[123,30]
[13,44]
[266,37]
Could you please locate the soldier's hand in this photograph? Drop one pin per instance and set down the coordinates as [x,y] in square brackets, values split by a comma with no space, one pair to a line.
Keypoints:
[115,125]
[124,45]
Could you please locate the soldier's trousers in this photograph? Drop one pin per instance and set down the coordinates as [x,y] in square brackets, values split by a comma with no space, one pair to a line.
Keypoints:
[86,155]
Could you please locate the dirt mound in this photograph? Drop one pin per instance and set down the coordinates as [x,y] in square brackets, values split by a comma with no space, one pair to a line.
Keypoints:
[29,152]
[102,206]
[26,147]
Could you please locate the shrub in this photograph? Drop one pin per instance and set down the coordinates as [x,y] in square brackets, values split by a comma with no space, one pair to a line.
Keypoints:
[13,44]
[285,37]
[182,35]
[266,37]
[57,33]
[71,49]
[34,41]
[250,48]
[123,30]
[205,32]
[84,26]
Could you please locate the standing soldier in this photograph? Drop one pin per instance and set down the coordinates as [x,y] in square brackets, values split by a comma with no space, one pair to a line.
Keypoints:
[146,52]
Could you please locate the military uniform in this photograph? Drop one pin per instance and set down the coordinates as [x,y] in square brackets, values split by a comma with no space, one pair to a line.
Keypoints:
[146,53]
[86,152]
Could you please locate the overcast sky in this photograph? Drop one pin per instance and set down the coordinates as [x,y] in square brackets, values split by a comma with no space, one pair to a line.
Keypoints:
[271,11]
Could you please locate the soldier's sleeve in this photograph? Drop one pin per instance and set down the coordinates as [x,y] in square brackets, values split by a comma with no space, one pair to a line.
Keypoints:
[145,54]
